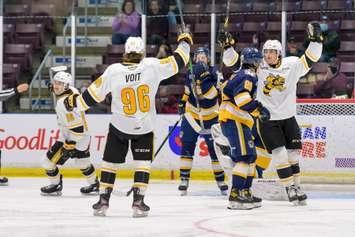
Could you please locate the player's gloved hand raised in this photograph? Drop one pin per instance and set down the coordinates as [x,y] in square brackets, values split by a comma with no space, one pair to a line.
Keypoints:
[70,102]
[201,71]
[68,149]
[225,40]
[314,32]
[185,36]
[181,107]
[264,113]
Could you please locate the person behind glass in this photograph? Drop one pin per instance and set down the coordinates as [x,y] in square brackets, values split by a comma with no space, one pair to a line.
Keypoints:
[126,23]
[292,48]
[335,83]
[157,24]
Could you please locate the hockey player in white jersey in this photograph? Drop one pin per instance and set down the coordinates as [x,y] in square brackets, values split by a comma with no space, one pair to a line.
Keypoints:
[74,141]
[133,85]
[277,84]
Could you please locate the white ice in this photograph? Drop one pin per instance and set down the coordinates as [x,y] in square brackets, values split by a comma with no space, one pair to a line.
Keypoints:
[24,212]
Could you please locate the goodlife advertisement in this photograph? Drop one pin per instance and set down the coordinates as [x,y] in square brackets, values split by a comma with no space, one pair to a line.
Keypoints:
[328,141]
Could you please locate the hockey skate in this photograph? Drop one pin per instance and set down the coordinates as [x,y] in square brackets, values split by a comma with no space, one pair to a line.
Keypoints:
[223,187]
[292,194]
[102,205]
[53,189]
[140,209]
[183,187]
[301,196]
[4,181]
[256,200]
[92,189]
[239,200]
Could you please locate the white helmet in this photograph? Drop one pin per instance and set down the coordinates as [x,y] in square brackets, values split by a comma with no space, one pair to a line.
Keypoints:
[64,77]
[134,45]
[273,44]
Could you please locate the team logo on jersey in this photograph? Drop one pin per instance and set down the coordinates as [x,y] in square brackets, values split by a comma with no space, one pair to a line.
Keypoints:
[273,82]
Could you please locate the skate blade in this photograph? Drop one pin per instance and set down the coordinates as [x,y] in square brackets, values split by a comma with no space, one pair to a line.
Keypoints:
[183,193]
[55,194]
[138,213]
[100,212]
[257,204]
[224,192]
[4,184]
[302,203]
[240,206]
[90,194]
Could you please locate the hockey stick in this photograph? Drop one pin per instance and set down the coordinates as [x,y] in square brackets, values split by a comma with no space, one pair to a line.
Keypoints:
[166,138]
[193,81]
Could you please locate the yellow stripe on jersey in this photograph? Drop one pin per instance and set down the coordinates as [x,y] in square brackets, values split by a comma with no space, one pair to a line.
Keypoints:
[228,110]
[82,102]
[242,99]
[93,95]
[184,57]
[241,138]
[304,62]
[234,59]
[211,93]
[310,55]
[173,62]
[83,118]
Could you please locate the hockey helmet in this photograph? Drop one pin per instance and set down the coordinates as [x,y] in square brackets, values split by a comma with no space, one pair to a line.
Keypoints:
[273,44]
[250,56]
[134,45]
[64,77]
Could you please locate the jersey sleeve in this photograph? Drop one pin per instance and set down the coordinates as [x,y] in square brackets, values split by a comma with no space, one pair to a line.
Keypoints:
[97,91]
[242,96]
[208,88]
[311,56]
[169,66]
[230,57]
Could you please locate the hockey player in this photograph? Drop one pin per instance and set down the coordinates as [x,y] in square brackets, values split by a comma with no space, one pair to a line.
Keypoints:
[4,95]
[74,141]
[133,85]
[199,105]
[236,115]
[277,82]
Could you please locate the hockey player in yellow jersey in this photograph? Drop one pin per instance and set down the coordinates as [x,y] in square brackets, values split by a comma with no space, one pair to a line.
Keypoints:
[133,85]
[73,143]
[276,90]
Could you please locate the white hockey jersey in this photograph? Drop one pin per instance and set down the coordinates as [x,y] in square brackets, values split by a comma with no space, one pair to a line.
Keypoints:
[72,125]
[276,88]
[133,90]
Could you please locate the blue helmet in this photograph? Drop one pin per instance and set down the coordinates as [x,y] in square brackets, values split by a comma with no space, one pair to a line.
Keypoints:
[204,50]
[251,56]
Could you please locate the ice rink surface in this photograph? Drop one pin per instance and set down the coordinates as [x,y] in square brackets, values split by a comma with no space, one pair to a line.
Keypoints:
[24,212]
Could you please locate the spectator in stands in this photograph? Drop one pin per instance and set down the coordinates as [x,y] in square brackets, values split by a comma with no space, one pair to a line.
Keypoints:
[157,24]
[126,23]
[171,106]
[292,48]
[331,41]
[335,83]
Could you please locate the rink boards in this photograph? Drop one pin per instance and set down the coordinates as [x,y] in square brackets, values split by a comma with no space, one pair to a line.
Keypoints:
[328,146]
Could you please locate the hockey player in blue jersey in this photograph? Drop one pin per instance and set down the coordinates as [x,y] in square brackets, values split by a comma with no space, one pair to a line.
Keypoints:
[199,105]
[237,114]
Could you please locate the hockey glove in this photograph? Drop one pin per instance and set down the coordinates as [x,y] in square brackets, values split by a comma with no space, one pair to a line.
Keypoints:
[225,40]
[314,32]
[185,36]
[181,107]
[68,150]
[201,71]
[264,113]
[70,102]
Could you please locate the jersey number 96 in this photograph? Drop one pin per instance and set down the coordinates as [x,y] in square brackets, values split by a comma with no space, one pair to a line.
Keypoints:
[130,97]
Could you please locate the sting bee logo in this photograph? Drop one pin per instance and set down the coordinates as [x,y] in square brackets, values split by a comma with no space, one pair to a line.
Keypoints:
[273,82]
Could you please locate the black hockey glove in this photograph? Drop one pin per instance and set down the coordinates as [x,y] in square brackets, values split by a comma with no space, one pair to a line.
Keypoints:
[70,102]
[181,107]
[225,40]
[185,36]
[68,150]
[264,113]
[314,32]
